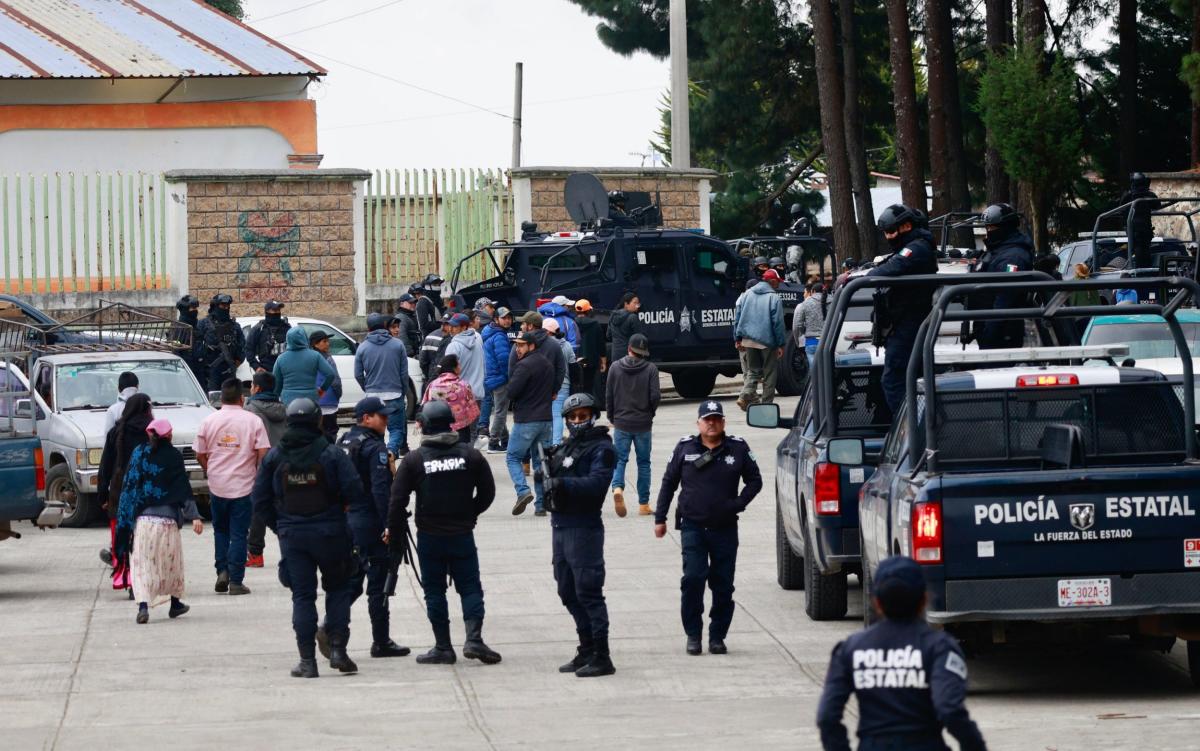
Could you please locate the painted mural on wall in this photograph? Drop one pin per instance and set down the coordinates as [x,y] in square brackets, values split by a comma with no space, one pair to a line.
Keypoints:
[265,269]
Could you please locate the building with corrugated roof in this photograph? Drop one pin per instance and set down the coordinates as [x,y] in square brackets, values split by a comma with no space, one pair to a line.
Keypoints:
[150,85]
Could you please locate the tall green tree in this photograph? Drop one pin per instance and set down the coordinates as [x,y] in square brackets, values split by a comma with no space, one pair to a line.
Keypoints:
[229,7]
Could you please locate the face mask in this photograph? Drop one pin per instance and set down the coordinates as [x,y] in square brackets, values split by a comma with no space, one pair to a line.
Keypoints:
[577,429]
[274,318]
[897,242]
[221,315]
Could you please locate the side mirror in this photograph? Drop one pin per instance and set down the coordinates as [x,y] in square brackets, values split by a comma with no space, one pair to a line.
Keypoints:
[763,416]
[845,450]
[24,408]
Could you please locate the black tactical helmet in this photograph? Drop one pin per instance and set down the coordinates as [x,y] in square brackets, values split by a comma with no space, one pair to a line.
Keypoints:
[303,411]
[580,401]
[1000,215]
[776,261]
[187,302]
[796,209]
[435,417]
[895,215]
[1139,181]
[221,299]
[616,198]
[761,261]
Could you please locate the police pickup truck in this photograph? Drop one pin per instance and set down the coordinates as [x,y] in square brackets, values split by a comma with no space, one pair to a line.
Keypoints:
[833,443]
[1046,487]
[22,467]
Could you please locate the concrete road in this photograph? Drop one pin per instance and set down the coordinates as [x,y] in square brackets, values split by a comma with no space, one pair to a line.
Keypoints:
[76,672]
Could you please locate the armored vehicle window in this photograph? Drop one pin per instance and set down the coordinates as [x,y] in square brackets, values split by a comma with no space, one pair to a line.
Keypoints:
[565,262]
[653,257]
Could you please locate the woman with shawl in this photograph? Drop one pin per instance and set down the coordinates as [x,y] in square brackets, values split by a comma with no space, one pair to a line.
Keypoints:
[119,445]
[450,388]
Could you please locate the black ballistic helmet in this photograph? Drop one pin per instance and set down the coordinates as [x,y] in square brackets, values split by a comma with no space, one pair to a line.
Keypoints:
[1000,215]
[435,417]
[761,261]
[187,302]
[1139,181]
[895,215]
[616,198]
[776,261]
[221,299]
[303,411]
[580,401]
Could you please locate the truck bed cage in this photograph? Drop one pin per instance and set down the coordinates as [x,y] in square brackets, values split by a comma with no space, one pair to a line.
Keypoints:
[112,327]
[1054,308]
[843,300]
[569,245]
[1128,209]
[946,222]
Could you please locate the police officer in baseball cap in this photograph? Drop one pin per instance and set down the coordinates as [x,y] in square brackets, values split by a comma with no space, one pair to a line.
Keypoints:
[910,680]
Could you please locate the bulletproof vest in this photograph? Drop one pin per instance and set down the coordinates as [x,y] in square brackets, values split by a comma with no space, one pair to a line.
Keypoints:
[305,491]
[565,462]
[272,340]
[352,444]
[447,489]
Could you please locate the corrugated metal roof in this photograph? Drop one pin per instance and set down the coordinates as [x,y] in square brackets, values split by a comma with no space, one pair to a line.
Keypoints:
[135,39]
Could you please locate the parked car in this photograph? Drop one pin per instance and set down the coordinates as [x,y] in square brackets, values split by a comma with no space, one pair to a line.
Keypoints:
[1149,340]
[342,347]
[22,466]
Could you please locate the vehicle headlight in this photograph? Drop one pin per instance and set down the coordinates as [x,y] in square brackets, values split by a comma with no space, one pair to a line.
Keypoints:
[93,456]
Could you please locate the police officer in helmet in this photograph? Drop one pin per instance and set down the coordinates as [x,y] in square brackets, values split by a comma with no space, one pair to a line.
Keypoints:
[368,452]
[579,471]
[454,486]
[760,266]
[1006,249]
[222,342]
[899,312]
[302,491]
[189,313]
[780,266]
[708,466]
[268,338]
[910,680]
[1141,229]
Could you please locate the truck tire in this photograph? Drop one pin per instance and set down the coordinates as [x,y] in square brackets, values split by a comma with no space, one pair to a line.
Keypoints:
[824,594]
[789,567]
[694,383]
[793,369]
[1193,654]
[60,486]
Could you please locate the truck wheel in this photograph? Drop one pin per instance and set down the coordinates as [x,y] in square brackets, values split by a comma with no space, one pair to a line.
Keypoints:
[60,487]
[793,369]
[694,383]
[1193,652]
[789,567]
[824,594]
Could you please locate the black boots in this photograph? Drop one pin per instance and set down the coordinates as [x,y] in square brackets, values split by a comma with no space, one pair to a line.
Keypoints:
[307,667]
[601,662]
[178,608]
[338,659]
[475,649]
[717,646]
[323,641]
[693,645]
[442,652]
[583,654]
[389,648]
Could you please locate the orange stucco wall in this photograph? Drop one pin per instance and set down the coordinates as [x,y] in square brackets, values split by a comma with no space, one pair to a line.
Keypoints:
[295,120]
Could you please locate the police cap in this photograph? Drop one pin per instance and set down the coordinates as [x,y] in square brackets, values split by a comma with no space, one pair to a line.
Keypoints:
[711,408]
[899,585]
[377,321]
[303,410]
[435,417]
[372,405]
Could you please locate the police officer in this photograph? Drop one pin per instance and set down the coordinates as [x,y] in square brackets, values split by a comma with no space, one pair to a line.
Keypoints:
[910,680]
[708,466]
[222,342]
[902,310]
[368,452]
[780,266]
[1141,228]
[268,338]
[301,492]
[1006,249]
[189,314]
[410,330]
[428,307]
[454,486]
[760,266]
[579,471]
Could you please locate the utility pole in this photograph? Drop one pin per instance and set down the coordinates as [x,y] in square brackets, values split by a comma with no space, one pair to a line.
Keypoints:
[516,117]
[681,142]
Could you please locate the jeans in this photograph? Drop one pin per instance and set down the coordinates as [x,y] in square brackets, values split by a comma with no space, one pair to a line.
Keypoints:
[556,412]
[761,365]
[397,437]
[640,443]
[810,347]
[524,435]
[457,556]
[579,572]
[305,553]
[898,350]
[375,565]
[231,524]
[256,541]
[709,556]
[485,410]
[499,429]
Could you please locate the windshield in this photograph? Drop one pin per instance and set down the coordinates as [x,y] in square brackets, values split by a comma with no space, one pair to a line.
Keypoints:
[1146,341]
[94,385]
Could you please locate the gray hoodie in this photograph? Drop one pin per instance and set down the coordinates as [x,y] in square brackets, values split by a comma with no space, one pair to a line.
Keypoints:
[272,412]
[632,394]
[467,346]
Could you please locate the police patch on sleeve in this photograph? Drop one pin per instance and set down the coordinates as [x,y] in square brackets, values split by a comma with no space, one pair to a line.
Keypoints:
[383,457]
[957,665]
[906,253]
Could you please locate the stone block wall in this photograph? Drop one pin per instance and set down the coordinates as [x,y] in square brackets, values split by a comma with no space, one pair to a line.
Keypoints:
[1176,185]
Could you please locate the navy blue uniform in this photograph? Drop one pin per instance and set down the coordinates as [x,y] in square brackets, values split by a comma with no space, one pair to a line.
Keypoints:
[266,342]
[707,516]
[1007,251]
[580,470]
[906,308]
[305,507]
[368,452]
[1141,228]
[221,348]
[910,681]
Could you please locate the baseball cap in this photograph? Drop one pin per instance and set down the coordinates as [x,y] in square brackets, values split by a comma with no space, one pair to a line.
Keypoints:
[272,305]
[549,324]
[582,305]
[406,297]
[377,321]
[371,405]
[710,408]
[527,337]
[458,319]
[533,318]
[447,316]
[898,583]
[563,300]
[317,336]
[640,345]
[502,312]
[159,426]
[771,275]
[483,302]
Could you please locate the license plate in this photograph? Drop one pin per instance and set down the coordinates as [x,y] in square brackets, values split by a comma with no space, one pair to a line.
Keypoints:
[1082,593]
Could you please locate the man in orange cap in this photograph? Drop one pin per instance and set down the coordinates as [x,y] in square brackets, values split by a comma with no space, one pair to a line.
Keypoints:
[591,356]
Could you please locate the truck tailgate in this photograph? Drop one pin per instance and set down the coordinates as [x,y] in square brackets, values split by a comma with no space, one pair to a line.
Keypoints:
[1077,522]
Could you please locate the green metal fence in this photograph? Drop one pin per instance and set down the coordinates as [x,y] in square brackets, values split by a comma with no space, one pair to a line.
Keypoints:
[409,215]
[87,232]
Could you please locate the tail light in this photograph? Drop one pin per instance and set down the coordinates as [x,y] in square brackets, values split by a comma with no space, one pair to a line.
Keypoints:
[827,489]
[541,301]
[927,532]
[39,470]
[1047,379]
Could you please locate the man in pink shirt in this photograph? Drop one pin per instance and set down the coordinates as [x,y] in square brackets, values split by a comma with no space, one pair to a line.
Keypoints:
[230,445]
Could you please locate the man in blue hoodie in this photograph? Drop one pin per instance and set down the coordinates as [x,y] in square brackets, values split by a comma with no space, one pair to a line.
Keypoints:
[297,369]
[562,309]
[381,369]
[759,334]
[467,346]
[496,346]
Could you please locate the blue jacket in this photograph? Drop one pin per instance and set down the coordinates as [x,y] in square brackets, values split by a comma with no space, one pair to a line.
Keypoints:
[566,322]
[496,346]
[759,316]
[340,477]
[296,370]
[381,364]
[331,386]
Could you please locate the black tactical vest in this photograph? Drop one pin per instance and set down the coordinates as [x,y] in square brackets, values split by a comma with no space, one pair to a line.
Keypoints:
[447,489]
[565,462]
[272,340]
[305,492]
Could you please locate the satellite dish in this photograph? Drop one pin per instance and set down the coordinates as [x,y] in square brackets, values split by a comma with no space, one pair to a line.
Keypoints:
[585,197]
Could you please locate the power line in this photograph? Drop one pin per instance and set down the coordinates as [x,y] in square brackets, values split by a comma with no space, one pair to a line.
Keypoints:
[339,20]
[290,10]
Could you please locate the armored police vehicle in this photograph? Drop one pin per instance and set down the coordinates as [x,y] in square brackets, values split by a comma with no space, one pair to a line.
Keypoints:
[688,282]
[1111,256]
[1045,491]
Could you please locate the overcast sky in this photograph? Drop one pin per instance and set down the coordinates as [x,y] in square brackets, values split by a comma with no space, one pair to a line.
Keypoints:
[584,104]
